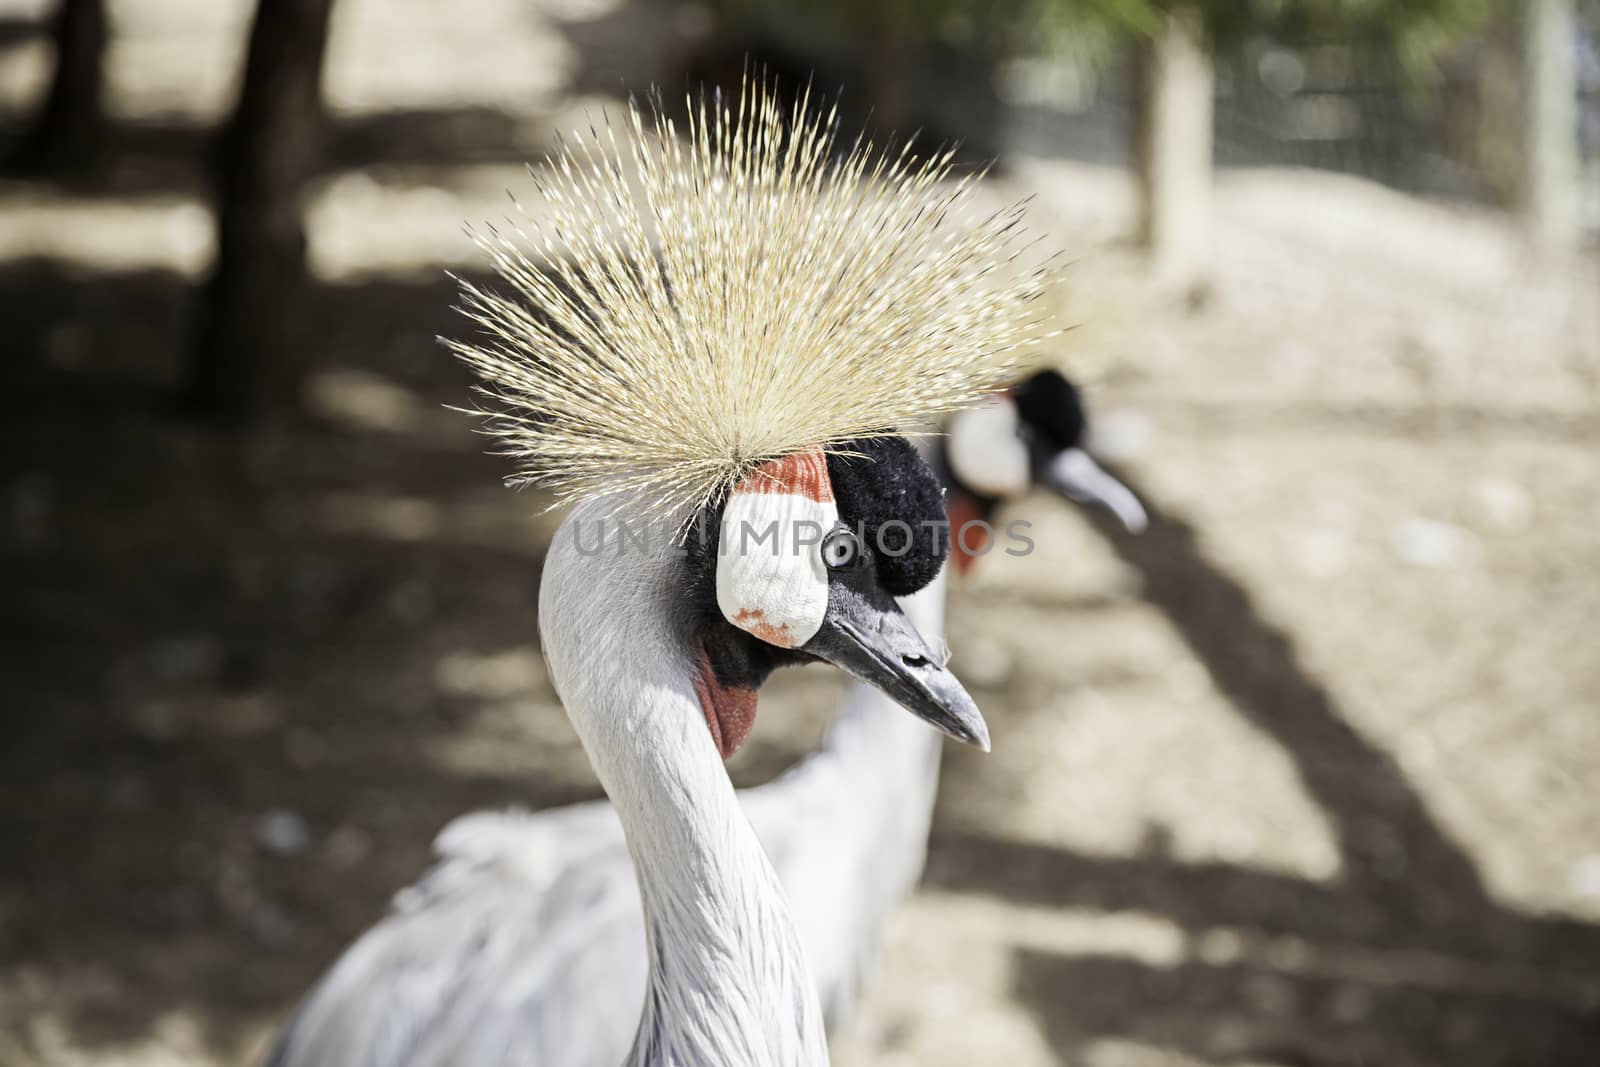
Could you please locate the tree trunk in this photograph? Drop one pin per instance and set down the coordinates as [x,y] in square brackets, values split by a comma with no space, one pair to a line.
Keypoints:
[1549,181]
[1172,150]
[66,139]
[890,75]
[250,351]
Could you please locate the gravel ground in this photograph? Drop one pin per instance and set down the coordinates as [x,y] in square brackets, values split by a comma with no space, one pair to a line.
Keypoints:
[1302,776]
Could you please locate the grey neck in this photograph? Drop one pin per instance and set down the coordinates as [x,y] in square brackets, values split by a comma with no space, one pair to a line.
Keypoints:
[727,980]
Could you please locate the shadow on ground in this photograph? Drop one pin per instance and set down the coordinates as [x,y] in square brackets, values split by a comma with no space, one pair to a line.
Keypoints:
[153,157]
[1405,959]
[229,734]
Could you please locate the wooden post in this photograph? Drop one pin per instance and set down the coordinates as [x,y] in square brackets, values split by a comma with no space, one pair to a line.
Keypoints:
[67,137]
[1549,182]
[251,349]
[1172,151]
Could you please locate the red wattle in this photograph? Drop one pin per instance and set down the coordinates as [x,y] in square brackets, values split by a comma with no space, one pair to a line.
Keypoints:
[730,710]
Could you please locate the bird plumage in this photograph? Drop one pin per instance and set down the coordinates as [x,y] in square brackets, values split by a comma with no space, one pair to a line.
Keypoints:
[680,310]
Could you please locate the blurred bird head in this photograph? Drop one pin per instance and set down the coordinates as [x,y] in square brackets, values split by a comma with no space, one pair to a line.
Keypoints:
[1035,433]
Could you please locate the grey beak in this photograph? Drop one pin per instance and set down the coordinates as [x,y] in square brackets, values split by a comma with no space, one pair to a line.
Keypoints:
[1075,475]
[878,645]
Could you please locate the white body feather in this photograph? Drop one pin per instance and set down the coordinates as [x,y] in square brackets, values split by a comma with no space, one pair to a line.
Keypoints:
[984,448]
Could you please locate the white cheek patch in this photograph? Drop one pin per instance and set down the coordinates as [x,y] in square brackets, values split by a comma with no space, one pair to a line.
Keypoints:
[771,581]
[984,451]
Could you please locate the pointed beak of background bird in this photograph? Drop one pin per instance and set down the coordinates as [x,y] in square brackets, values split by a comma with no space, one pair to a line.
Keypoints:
[1075,475]
[878,644]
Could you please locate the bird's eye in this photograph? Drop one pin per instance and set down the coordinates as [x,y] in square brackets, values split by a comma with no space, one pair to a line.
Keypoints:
[840,548]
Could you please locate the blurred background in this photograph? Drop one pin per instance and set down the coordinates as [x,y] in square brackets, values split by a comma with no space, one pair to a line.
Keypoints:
[1308,774]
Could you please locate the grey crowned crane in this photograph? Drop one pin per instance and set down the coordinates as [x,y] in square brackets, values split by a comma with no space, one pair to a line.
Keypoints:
[722,344]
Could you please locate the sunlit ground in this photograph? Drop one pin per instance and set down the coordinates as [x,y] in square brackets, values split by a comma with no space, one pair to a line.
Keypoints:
[1305,775]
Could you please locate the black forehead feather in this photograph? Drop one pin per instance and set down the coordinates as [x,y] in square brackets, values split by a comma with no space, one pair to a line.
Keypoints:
[1053,407]
[888,481]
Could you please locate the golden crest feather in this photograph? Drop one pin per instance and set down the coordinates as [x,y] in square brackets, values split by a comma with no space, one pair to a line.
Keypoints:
[682,309]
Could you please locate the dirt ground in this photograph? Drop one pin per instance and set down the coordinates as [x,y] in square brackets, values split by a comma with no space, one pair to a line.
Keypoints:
[1304,775]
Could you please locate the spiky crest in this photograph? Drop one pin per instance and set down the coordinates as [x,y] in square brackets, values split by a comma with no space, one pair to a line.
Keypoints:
[682,309]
